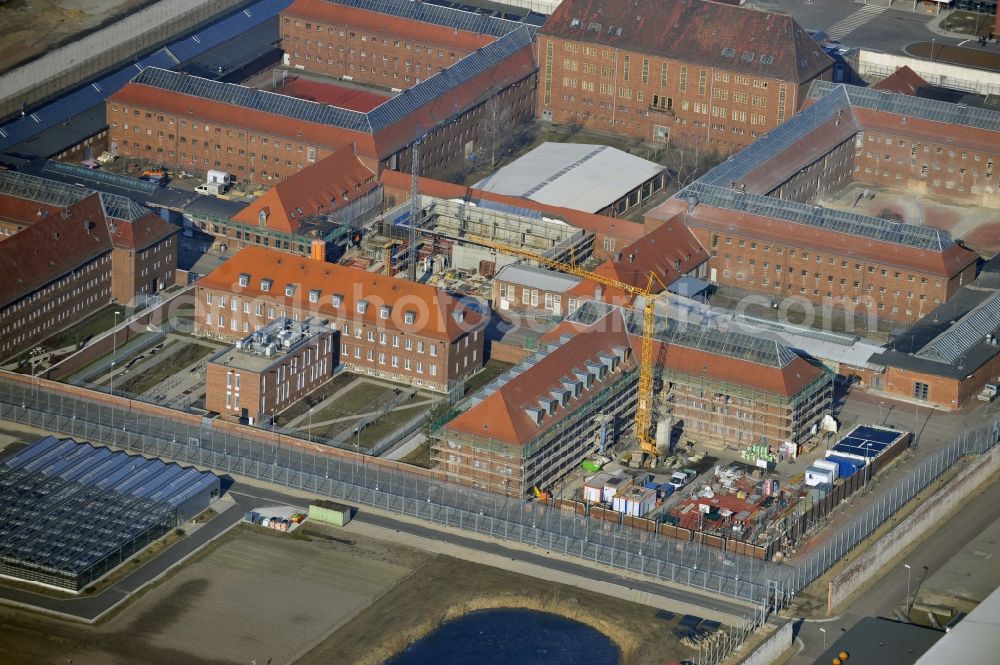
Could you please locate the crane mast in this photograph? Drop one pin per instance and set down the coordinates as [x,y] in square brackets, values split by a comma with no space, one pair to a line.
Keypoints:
[644,402]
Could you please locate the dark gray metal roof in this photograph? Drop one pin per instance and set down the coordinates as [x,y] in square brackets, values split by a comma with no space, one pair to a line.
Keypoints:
[840,221]
[52,192]
[878,641]
[951,340]
[916,107]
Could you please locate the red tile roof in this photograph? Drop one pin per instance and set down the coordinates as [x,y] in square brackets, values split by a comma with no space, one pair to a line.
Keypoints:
[948,263]
[503,415]
[51,248]
[24,210]
[227,114]
[904,81]
[787,381]
[323,187]
[386,25]
[696,32]
[332,94]
[433,307]
[398,184]
[142,233]
[668,252]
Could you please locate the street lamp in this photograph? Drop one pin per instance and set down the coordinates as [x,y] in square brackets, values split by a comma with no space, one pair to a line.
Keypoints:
[823,630]
[310,430]
[880,405]
[114,338]
[907,566]
[112,378]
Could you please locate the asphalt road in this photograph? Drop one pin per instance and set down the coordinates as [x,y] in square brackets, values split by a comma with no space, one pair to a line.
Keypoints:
[90,608]
[889,592]
[245,495]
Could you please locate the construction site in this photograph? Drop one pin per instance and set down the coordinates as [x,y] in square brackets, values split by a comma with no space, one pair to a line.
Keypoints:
[458,245]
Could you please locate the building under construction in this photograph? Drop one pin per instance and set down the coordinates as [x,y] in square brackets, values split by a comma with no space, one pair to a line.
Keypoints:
[453,237]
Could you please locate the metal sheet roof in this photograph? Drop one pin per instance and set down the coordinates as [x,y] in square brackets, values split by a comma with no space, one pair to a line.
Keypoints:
[537,278]
[578,176]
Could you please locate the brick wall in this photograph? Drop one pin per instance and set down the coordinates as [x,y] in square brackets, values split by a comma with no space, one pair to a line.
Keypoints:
[659,99]
[942,392]
[842,281]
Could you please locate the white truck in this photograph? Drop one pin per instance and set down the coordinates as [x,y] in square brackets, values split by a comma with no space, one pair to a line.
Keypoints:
[210,188]
[681,478]
[989,392]
[220,177]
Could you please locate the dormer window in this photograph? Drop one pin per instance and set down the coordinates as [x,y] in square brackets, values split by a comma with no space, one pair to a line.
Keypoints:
[337,300]
[313,295]
[409,317]
[362,306]
[265,285]
[289,290]
[244,279]
[383,312]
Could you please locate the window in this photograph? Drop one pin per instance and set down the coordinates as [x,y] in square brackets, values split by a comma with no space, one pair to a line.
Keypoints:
[362,307]
[336,300]
[265,285]
[244,279]
[383,312]
[313,295]
[289,289]
[409,317]
[920,390]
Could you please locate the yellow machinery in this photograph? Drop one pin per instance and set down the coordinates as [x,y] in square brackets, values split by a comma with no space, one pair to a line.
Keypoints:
[387,249]
[644,404]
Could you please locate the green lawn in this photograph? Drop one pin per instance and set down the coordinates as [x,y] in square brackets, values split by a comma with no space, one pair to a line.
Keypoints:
[490,371]
[89,327]
[338,382]
[143,381]
[390,421]
[362,398]
[421,456]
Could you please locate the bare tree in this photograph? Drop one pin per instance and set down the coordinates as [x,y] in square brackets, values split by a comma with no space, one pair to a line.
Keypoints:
[686,163]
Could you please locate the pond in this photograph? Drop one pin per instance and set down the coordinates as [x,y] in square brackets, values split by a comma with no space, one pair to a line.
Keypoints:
[505,636]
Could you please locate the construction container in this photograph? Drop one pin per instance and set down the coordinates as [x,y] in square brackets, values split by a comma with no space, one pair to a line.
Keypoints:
[848,466]
[634,501]
[330,513]
[827,464]
[593,489]
[591,466]
[819,476]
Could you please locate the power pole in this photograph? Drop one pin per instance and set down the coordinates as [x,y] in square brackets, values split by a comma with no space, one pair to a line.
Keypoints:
[414,208]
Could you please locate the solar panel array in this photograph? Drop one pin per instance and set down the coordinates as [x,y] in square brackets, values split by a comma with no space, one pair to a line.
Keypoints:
[65,507]
[839,221]
[251,98]
[458,19]
[833,104]
[917,107]
[33,188]
[441,84]
[509,209]
[970,330]
[738,345]
[87,96]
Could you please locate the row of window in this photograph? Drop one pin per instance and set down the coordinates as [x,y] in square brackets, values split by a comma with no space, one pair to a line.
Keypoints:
[407,363]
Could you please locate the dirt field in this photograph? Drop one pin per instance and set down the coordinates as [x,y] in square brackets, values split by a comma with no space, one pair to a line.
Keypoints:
[445,588]
[255,595]
[31,28]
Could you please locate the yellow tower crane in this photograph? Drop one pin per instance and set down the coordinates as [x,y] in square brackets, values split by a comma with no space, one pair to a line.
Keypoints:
[644,403]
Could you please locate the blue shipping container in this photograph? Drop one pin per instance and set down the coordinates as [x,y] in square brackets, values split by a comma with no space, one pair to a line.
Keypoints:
[846,465]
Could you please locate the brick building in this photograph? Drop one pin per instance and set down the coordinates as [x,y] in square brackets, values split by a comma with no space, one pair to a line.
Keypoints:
[946,358]
[536,423]
[392,44]
[527,288]
[388,327]
[82,252]
[610,234]
[269,370]
[754,213]
[196,124]
[700,74]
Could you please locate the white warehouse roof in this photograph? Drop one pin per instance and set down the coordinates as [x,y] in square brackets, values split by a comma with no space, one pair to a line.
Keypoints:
[537,278]
[571,175]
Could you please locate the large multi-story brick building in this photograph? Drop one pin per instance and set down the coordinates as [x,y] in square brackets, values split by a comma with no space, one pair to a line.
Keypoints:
[186,122]
[535,424]
[393,43]
[701,74]
[755,216]
[269,370]
[387,327]
[78,252]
